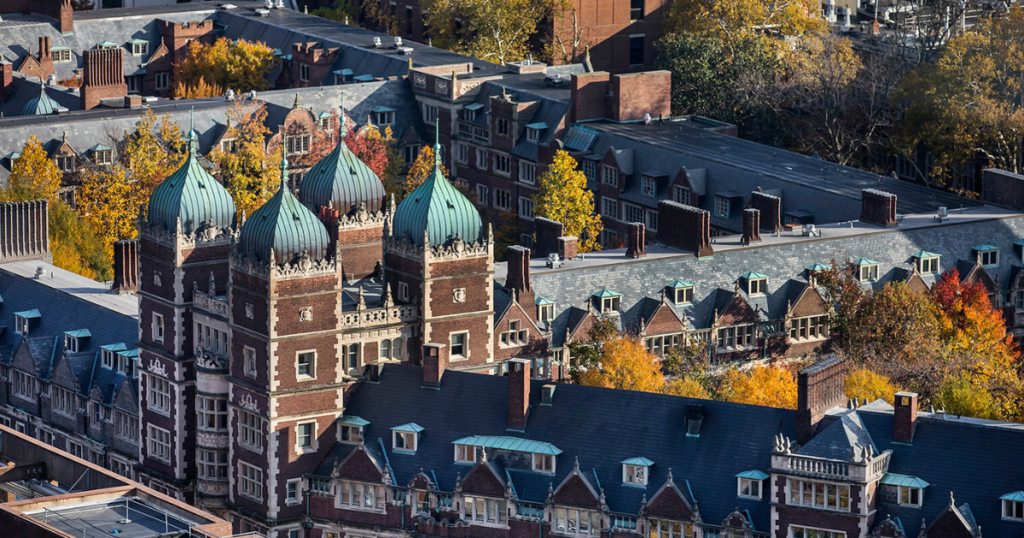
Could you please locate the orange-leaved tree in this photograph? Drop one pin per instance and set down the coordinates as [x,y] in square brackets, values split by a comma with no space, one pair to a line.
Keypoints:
[420,170]
[626,364]
[239,65]
[869,386]
[248,173]
[770,386]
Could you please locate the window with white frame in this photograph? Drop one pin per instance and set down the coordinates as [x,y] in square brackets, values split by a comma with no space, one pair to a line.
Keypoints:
[213,464]
[869,272]
[305,364]
[213,413]
[158,394]
[808,328]
[250,428]
[662,344]
[65,163]
[304,72]
[809,532]
[228,145]
[352,356]
[462,153]
[63,400]
[159,444]
[748,488]
[162,81]
[361,496]
[465,454]
[410,153]
[403,291]
[545,313]
[127,425]
[683,295]
[1013,509]
[502,164]
[633,213]
[429,114]
[351,433]
[21,324]
[757,286]
[75,449]
[140,48]
[292,491]
[103,156]
[736,337]
[210,339]
[527,172]
[298,144]
[610,175]
[483,510]
[533,134]
[24,384]
[526,207]
[158,328]
[481,158]
[590,169]
[928,266]
[251,481]
[120,467]
[305,437]
[404,441]
[46,436]
[544,463]
[249,357]
[634,474]
[60,55]
[577,522]
[910,496]
[458,348]
[385,117]
[819,494]
[609,304]
[515,335]
[610,208]
[722,206]
[988,257]
[648,186]
[502,199]
[662,528]
[681,194]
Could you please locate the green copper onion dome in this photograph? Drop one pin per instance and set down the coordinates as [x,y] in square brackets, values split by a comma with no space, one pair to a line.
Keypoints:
[439,209]
[192,195]
[343,179]
[40,106]
[284,227]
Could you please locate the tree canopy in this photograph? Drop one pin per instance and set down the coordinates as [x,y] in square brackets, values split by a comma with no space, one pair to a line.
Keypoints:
[498,31]
[248,174]
[239,65]
[770,386]
[563,197]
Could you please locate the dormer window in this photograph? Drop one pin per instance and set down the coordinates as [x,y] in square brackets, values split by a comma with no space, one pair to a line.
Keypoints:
[545,310]
[927,262]
[867,269]
[326,122]
[635,471]
[350,429]
[648,186]
[228,145]
[610,175]
[139,47]
[74,340]
[385,116]
[607,301]
[755,283]
[749,484]
[533,131]
[22,320]
[465,454]
[107,45]
[987,255]
[680,292]
[126,361]
[1013,506]
[544,463]
[405,438]
[903,490]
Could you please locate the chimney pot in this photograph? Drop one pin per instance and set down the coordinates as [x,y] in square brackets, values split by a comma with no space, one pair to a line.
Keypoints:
[751,226]
[636,242]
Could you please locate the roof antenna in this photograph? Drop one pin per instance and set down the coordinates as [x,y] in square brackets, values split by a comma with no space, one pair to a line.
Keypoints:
[437,144]
[192,130]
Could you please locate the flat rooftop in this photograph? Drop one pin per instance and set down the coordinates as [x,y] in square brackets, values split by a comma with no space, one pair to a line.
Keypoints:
[74,284]
[125,517]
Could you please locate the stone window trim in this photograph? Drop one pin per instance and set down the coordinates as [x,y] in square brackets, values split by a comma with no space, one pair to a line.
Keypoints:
[250,481]
[515,336]
[808,532]
[159,443]
[869,272]
[610,175]
[360,496]
[634,475]
[749,488]
[404,442]
[250,427]
[544,463]
[305,364]
[818,494]
[293,492]
[737,338]
[162,80]
[458,346]
[158,328]
[158,395]
[910,496]
[304,444]
[1013,510]
[249,355]
[465,454]
[576,522]
[808,328]
[350,434]
[304,72]
[484,511]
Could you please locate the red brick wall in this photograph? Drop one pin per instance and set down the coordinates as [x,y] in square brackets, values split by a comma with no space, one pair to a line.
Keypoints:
[664,322]
[481,481]
[326,361]
[669,505]
[637,94]
[574,492]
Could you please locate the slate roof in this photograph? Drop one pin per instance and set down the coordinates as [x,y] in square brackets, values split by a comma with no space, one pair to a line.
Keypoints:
[642,425]
[191,196]
[438,210]
[341,178]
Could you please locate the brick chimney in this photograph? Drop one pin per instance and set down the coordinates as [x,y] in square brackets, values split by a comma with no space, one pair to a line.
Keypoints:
[904,417]
[25,233]
[126,266]
[435,360]
[588,93]
[330,217]
[567,245]
[518,393]
[518,279]
[547,231]
[820,387]
[770,208]
[751,226]
[690,228]
[102,76]
[634,95]
[877,207]
[6,78]
[636,240]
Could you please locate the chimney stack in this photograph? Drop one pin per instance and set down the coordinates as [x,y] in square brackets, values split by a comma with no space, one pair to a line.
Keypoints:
[751,226]
[518,279]
[820,387]
[636,241]
[771,210]
[904,417]
[567,245]
[690,228]
[547,232]
[878,207]
[44,50]
[102,76]
[518,393]
[126,266]
[435,360]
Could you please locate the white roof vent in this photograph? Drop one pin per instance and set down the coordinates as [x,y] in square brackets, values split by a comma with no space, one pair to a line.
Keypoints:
[230,95]
[398,41]
[377,43]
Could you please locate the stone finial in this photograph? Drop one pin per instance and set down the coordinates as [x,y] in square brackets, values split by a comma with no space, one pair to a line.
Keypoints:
[952,502]
[388,301]
[296,104]
[361,303]
[668,480]
[576,465]
[213,285]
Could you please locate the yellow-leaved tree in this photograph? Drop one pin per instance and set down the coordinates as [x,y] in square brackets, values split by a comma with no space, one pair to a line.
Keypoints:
[564,197]
[498,31]
[864,384]
[199,90]
[625,364]
[152,151]
[110,200]
[33,175]
[770,386]
[420,170]
[239,65]
[689,387]
[740,19]
[246,172]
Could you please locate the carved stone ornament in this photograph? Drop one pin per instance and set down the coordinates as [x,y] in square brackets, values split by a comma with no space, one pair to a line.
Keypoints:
[419,79]
[459,295]
[361,217]
[456,249]
[306,313]
[249,310]
[156,278]
[248,402]
[441,86]
[157,367]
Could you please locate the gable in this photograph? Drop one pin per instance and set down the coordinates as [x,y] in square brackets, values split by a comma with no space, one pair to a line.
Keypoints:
[126,397]
[62,376]
[979,274]
[664,321]
[481,480]
[916,283]
[948,525]
[421,481]
[810,303]
[668,503]
[360,466]
[738,311]
[575,491]
[579,333]
[23,360]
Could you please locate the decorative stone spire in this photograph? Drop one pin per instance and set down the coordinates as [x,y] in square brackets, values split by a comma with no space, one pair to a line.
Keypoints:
[296,104]
[192,143]
[341,127]
[284,169]
[437,145]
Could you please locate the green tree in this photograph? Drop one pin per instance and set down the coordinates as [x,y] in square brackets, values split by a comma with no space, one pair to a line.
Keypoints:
[340,11]
[738,20]
[494,30]
[957,395]
[239,65]
[587,353]
[563,197]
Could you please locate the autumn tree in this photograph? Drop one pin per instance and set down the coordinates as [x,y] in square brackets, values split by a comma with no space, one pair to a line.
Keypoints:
[863,384]
[110,199]
[563,197]
[420,170]
[200,90]
[246,172]
[770,386]
[626,364]
[960,396]
[239,65]
[840,287]
[966,106]
[738,20]
[152,151]
[688,387]
[571,40]
[33,175]
[377,149]
[498,31]
[586,354]
[383,15]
